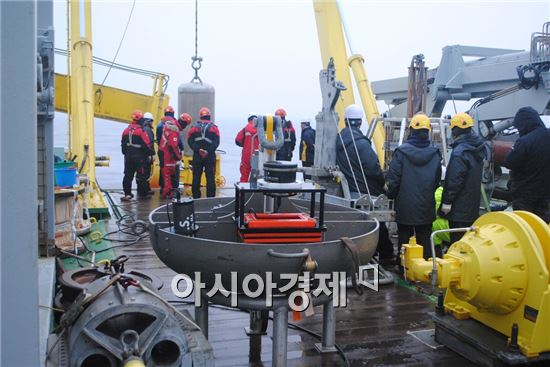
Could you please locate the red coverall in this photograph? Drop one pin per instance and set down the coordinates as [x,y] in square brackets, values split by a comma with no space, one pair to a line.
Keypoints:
[169,145]
[247,138]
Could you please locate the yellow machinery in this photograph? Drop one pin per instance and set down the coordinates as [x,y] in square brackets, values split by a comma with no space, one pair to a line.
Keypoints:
[497,274]
[186,174]
[80,100]
[332,44]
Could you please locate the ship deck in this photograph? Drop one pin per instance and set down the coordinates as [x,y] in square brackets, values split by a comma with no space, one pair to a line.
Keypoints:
[373,330]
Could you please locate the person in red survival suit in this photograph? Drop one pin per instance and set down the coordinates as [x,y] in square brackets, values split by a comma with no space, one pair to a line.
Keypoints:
[168,116]
[136,147]
[247,138]
[204,139]
[289,134]
[174,169]
[169,144]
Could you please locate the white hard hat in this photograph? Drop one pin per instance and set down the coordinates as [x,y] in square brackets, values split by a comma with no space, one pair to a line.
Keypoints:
[148,116]
[353,112]
[305,120]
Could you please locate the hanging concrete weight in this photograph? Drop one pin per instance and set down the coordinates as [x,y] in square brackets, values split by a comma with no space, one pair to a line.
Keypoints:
[191,97]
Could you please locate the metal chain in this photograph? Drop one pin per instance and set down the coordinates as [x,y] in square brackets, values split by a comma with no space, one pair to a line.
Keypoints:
[197,61]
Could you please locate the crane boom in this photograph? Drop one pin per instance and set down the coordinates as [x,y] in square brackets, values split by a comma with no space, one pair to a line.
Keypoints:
[332,45]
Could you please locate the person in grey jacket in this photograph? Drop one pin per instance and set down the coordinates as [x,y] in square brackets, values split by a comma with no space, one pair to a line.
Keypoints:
[462,188]
[413,176]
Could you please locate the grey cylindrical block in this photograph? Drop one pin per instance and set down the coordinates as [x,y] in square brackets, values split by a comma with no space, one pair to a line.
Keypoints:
[191,97]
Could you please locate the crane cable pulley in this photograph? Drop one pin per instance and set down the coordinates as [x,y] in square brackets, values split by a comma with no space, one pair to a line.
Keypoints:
[197,60]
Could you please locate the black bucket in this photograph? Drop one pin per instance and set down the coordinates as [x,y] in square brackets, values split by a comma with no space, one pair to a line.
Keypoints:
[184,216]
[280,172]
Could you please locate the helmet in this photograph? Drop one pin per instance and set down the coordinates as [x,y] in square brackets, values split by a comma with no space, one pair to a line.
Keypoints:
[252,115]
[462,121]
[137,115]
[353,112]
[185,117]
[204,112]
[148,116]
[420,121]
[306,121]
[280,112]
[169,109]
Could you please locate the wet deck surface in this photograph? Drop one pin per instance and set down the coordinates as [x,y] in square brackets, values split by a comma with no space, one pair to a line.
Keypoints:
[372,330]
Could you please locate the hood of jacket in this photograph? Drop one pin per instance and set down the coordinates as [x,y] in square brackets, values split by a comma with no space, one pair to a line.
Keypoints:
[526,120]
[469,142]
[418,156]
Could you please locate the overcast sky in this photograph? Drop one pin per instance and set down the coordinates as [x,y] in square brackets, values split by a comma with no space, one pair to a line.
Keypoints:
[260,55]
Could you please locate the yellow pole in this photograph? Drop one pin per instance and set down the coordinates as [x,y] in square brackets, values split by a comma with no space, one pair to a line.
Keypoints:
[331,42]
[81,81]
[357,64]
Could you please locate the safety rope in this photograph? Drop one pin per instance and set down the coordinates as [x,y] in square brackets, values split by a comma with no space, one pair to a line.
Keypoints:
[360,165]
[120,43]
[197,60]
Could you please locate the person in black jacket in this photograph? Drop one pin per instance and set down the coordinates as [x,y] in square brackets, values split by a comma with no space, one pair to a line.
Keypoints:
[307,145]
[136,147]
[204,139]
[289,137]
[462,188]
[413,176]
[359,164]
[529,161]
[363,159]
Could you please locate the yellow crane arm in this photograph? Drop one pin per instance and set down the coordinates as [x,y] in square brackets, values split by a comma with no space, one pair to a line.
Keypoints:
[114,103]
[332,44]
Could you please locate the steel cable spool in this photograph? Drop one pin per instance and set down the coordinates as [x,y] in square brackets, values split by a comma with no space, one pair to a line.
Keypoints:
[121,321]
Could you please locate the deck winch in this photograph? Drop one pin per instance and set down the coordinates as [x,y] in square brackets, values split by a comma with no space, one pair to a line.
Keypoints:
[118,319]
[497,274]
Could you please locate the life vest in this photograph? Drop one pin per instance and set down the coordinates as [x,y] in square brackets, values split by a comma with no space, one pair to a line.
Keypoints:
[169,143]
[134,130]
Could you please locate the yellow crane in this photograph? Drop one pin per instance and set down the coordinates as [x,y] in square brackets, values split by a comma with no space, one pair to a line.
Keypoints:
[83,100]
[332,45]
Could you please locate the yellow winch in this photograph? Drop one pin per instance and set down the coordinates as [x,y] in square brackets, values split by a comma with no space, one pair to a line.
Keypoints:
[496,274]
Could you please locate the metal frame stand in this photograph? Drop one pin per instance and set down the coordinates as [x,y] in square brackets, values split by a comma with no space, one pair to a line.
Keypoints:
[258,323]
[201,316]
[329,330]
[280,336]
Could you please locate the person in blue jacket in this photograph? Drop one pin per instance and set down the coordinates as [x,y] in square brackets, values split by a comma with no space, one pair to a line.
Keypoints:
[307,145]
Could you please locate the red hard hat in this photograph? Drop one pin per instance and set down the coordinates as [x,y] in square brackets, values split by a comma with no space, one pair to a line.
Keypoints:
[169,109]
[204,112]
[137,115]
[280,112]
[186,118]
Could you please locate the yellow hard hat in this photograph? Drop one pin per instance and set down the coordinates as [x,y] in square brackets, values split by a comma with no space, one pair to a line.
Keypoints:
[462,120]
[420,121]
